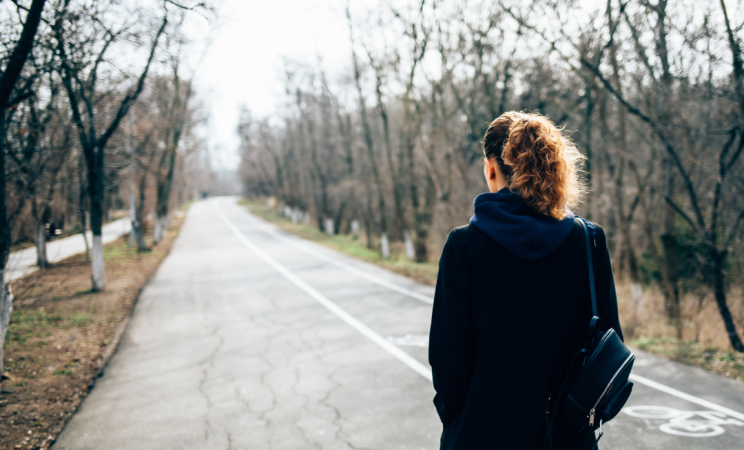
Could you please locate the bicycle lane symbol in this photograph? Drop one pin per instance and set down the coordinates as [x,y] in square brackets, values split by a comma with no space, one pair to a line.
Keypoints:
[684,423]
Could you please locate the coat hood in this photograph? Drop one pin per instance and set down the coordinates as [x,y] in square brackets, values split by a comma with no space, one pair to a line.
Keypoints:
[527,234]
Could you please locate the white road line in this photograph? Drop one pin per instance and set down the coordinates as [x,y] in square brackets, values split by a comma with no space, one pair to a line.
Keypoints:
[427,374]
[340,264]
[343,315]
[690,398]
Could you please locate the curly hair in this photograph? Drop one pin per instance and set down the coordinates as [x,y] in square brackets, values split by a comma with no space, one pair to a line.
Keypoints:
[540,163]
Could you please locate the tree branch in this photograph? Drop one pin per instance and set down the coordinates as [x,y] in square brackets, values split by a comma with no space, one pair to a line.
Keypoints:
[187,8]
[734,229]
[662,136]
[736,59]
[66,73]
[20,52]
[679,211]
[126,103]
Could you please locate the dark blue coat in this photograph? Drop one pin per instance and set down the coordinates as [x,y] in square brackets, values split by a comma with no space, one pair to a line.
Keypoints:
[511,308]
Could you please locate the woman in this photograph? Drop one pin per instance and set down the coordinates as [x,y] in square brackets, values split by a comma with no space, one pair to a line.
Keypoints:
[512,301]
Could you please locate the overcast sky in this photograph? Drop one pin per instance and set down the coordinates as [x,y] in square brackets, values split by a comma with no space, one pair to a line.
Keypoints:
[243,65]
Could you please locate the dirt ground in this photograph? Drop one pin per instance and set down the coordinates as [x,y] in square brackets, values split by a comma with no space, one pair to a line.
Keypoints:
[60,336]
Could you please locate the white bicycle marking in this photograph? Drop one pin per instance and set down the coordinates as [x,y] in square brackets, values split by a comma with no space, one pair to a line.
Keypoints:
[684,423]
[684,396]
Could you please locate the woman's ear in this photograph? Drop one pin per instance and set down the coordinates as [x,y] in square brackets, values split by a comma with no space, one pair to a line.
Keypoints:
[490,169]
[494,177]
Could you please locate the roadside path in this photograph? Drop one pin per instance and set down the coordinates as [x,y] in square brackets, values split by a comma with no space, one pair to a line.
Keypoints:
[249,338]
[23,261]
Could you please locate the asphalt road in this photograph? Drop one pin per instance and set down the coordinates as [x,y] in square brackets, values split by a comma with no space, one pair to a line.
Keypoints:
[249,338]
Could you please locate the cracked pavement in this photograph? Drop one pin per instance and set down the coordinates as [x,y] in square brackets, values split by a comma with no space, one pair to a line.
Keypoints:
[224,352]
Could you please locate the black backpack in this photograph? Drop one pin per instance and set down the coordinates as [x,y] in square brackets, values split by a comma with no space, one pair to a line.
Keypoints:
[594,392]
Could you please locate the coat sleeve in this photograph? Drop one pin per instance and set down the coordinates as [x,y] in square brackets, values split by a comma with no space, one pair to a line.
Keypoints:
[451,344]
[605,284]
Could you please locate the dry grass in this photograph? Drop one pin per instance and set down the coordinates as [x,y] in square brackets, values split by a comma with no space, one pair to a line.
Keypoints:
[704,340]
[425,273]
[61,335]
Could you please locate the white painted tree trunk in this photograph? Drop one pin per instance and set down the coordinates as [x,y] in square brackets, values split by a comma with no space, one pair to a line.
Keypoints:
[329,227]
[636,292]
[307,219]
[156,232]
[83,233]
[161,223]
[385,246]
[6,307]
[410,252]
[40,233]
[98,277]
[132,230]
[355,229]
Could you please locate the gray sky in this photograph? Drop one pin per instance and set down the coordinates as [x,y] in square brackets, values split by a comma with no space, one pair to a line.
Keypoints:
[243,65]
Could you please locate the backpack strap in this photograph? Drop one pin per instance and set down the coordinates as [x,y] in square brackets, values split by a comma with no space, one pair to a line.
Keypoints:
[593,328]
[590,264]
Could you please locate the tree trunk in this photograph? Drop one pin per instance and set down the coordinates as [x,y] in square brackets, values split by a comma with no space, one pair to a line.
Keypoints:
[132,207]
[399,218]
[164,188]
[138,224]
[96,194]
[40,237]
[588,144]
[720,293]
[98,276]
[10,75]
[6,307]
[338,219]
[40,234]
[368,232]
[423,222]
[141,244]
[83,218]
[385,246]
[626,248]
[669,243]
[410,250]
[367,132]
[161,224]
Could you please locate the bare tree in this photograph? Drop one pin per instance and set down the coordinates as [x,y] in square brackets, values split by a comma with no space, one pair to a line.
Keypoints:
[79,69]
[652,92]
[9,97]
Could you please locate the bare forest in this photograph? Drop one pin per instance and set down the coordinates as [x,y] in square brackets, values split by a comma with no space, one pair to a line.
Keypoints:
[651,91]
[98,121]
